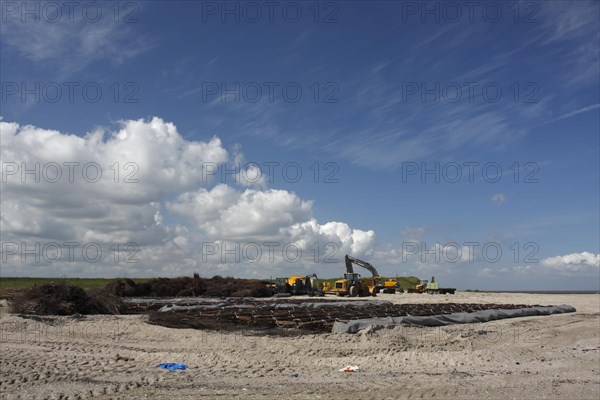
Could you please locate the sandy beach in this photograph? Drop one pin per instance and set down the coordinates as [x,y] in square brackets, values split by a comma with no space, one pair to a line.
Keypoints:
[543,357]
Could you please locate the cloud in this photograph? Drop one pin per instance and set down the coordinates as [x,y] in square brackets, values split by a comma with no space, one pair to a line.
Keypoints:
[165,217]
[413,235]
[250,173]
[582,264]
[224,213]
[573,263]
[138,163]
[339,236]
[71,41]
[565,22]
[574,32]
[118,200]
[575,112]
[499,198]
[144,185]
[486,273]
[415,111]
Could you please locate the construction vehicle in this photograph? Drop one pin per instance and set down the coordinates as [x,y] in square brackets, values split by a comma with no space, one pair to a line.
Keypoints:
[352,284]
[296,285]
[419,288]
[390,286]
[431,287]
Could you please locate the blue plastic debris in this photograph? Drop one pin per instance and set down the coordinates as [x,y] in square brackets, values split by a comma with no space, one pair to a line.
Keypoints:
[172,366]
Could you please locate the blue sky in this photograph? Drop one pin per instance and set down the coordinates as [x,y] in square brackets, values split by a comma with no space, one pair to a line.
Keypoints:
[386,86]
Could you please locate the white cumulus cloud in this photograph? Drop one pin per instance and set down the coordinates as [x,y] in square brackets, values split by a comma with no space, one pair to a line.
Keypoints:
[145,184]
[575,262]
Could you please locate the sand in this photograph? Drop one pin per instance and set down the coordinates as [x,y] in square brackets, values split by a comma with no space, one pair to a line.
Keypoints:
[544,357]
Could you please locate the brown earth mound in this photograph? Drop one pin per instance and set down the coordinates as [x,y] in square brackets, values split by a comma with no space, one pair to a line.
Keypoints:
[186,286]
[159,287]
[60,299]
[232,287]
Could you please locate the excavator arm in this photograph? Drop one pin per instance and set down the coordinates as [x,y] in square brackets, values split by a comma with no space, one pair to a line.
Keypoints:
[351,260]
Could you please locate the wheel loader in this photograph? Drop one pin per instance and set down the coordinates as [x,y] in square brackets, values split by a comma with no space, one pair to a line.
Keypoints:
[352,284]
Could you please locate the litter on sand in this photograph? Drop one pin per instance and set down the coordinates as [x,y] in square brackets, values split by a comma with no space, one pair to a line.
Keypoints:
[350,368]
[172,366]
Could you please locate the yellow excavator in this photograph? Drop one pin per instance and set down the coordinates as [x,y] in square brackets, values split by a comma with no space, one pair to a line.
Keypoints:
[352,284]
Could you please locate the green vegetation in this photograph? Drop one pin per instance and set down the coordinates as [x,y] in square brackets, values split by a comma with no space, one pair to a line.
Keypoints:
[84,283]
[408,282]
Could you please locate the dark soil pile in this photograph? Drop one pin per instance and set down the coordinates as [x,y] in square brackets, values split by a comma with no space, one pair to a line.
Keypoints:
[60,299]
[232,287]
[159,287]
[186,286]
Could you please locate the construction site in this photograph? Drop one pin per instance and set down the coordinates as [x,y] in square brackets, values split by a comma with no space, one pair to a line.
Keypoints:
[297,336]
[228,337]
[300,304]
[109,343]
